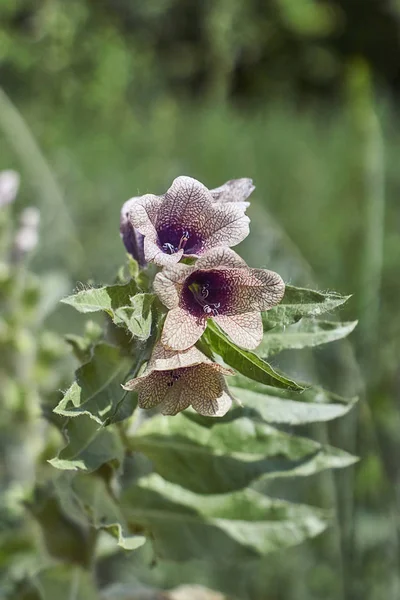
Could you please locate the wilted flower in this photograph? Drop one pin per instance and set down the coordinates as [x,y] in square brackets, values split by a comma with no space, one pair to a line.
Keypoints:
[132,239]
[175,380]
[188,219]
[219,286]
[9,184]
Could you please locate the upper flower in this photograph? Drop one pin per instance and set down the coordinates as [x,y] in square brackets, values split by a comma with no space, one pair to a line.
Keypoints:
[176,380]
[219,286]
[189,219]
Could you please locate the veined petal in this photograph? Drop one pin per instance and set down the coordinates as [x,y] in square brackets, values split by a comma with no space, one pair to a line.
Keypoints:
[217,407]
[167,284]
[165,359]
[143,213]
[245,330]
[184,203]
[225,225]
[181,330]
[175,401]
[234,190]
[206,387]
[220,257]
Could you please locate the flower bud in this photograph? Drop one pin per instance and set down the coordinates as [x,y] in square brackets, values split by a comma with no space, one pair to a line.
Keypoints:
[132,239]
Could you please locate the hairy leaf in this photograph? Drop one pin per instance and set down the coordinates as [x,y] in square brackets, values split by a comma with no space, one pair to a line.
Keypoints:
[229,456]
[108,298]
[97,391]
[304,333]
[301,302]
[247,363]
[137,317]
[220,528]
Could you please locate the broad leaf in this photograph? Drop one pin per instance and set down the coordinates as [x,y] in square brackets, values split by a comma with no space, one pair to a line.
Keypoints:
[219,528]
[88,446]
[295,408]
[229,456]
[97,391]
[64,582]
[137,318]
[247,363]
[80,494]
[301,302]
[121,302]
[108,298]
[304,333]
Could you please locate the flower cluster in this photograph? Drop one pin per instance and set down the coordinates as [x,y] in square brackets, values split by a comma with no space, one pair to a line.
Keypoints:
[193,222]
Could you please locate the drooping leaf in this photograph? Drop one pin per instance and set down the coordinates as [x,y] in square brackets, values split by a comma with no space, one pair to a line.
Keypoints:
[229,456]
[88,446]
[88,495]
[301,302]
[295,408]
[97,391]
[137,317]
[64,582]
[246,362]
[304,333]
[219,528]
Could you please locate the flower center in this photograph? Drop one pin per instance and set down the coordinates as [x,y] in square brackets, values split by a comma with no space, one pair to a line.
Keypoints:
[174,376]
[206,293]
[173,239]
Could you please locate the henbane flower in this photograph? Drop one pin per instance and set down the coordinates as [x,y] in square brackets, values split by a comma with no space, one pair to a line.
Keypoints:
[175,380]
[189,219]
[219,286]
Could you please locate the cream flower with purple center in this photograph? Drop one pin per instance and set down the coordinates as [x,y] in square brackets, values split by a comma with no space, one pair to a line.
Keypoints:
[189,219]
[219,286]
[175,380]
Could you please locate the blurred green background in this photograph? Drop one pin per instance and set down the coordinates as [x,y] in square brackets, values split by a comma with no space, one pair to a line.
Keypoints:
[105,100]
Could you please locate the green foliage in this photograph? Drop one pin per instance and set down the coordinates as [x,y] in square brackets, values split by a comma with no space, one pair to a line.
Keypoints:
[148,477]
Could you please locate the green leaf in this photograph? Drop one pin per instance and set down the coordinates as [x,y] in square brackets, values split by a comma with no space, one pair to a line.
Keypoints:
[88,446]
[295,408]
[229,456]
[64,582]
[97,391]
[304,333]
[219,528]
[301,302]
[81,494]
[108,298]
[137,317]
[244,361]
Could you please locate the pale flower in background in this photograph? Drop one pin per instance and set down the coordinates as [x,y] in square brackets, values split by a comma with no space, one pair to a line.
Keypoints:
[219,286]
[175,380]
[189,219]
[9,184]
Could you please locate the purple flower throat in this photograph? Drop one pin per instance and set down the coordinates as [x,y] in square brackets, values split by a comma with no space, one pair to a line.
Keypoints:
[171,239]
